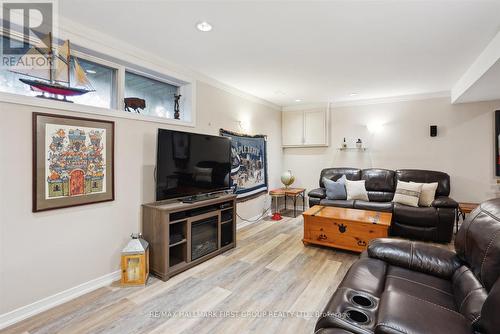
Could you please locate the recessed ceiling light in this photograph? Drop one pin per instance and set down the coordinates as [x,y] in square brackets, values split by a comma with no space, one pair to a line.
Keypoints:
[353,94]
[91,71]
[298,100]
[204,26]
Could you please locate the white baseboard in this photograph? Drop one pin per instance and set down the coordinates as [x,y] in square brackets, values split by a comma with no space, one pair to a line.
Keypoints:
[250,222]
[10,318]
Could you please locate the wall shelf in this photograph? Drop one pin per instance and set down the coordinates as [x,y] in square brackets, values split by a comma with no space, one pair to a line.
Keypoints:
[353,149]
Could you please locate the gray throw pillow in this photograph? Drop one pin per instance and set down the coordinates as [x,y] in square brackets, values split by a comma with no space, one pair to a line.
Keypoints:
[335,189]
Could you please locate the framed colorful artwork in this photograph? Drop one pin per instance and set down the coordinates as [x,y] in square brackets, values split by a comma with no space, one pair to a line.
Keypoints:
[73,161]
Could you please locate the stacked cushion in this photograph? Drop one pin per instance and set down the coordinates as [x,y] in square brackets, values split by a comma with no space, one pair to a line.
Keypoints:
[356,190]
[407,193]
[335,189]
[428,193]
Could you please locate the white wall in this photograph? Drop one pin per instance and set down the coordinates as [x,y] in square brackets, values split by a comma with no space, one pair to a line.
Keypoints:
[44,253]
[464,147]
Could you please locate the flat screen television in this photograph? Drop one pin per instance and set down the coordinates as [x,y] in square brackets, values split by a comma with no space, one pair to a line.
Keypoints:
[191,164]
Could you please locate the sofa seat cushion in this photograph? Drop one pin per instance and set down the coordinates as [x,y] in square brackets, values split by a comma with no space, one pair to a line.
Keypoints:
[420,217]
[314,201]
[413,232]
[430,288]
[402,313]
[338,203]
[374,206]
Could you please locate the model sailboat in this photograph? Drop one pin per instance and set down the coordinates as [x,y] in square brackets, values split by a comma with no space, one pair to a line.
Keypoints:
[56,80]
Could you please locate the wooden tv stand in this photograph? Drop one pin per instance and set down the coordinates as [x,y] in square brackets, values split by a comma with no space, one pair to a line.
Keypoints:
[182,235]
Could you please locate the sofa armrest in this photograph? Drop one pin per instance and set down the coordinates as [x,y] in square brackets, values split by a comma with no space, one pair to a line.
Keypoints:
[317,193]
[416,256]
[444,202]
[332,330]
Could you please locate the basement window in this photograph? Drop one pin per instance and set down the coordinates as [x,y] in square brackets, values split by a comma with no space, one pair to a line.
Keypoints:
[158,95]
[102,78]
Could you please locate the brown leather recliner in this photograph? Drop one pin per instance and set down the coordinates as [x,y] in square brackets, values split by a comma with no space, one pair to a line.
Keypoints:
[401,286]
[434,223]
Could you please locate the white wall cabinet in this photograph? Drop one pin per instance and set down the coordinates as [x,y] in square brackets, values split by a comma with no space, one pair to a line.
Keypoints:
[293,128]
[305,128]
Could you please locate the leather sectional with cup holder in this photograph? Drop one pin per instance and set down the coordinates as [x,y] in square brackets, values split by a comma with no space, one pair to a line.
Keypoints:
[401,286]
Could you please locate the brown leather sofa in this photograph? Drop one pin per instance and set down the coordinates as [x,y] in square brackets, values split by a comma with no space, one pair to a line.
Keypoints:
[434,223]
[401,286]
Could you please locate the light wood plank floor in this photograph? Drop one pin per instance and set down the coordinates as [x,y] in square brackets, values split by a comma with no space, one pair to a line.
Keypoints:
[269,270]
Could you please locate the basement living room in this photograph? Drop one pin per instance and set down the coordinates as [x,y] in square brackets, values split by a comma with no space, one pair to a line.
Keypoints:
[328,167]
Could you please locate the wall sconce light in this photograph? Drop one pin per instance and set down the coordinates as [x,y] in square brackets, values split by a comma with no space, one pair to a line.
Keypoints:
[374,127]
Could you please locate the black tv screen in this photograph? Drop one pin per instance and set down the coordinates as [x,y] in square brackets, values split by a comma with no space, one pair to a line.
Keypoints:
[190,164]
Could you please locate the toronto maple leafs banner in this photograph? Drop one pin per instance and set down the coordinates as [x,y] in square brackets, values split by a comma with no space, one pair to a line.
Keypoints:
[249,163]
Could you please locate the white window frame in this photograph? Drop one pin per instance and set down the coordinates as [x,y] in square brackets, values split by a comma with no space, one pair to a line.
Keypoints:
[186,88]
[179,84]
[114,96]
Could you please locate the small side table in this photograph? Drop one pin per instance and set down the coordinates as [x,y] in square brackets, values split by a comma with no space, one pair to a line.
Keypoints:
[463,209]
[276,194]
[294,193]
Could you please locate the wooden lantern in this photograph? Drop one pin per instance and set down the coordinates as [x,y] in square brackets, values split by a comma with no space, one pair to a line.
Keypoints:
[135,262]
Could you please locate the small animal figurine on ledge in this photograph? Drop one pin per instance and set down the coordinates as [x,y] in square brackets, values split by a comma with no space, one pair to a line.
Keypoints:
[135,104]
[177,114]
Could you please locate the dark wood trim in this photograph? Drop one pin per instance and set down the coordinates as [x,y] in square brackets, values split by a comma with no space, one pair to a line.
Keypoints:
[221,131]
[35,153]
[33,161]
[497,144]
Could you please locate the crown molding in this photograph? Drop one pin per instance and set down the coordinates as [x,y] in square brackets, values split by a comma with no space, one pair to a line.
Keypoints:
[391,99]
[111,47]
[306,106]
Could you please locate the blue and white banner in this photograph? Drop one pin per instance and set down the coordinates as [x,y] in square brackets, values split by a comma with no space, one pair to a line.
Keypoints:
[249,163]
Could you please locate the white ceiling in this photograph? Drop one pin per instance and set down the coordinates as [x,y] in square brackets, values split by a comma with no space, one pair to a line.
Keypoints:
[281,51]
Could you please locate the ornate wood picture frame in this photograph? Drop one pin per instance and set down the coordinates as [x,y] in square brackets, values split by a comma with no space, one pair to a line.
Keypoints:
[73,161]
[497,143]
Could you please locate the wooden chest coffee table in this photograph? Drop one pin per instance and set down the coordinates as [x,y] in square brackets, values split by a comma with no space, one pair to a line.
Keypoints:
[343,228]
